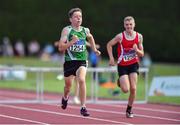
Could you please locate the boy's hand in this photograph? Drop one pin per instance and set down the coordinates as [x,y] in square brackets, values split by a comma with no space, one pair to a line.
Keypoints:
[111,62]
[97,52]
[74,39]
[135,47]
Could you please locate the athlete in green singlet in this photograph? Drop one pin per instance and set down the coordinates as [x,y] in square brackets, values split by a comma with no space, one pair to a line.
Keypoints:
[73,43]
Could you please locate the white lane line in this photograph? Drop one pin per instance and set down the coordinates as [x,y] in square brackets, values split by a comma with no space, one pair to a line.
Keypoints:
[64,114]
[122,113]
[147,109]
[22,119]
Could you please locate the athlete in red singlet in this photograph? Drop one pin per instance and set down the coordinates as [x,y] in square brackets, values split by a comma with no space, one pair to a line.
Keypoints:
[130,48]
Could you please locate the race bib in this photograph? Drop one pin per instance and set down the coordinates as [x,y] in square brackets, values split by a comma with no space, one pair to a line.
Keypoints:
[79,46]
[129,56]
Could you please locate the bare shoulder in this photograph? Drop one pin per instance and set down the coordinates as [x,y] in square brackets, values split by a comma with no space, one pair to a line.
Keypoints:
[87,30]
[88,33]
[64,33]
[139,34]
[66,30]
[140,37]
[118,37]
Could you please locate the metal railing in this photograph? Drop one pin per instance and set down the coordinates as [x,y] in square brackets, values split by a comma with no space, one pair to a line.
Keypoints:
[94,83]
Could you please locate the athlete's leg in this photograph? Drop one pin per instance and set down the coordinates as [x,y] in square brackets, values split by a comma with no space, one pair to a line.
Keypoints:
[76,91]
[67,87]
[68,84]
[133,81]
[76,87]
[81,77]
[124,83]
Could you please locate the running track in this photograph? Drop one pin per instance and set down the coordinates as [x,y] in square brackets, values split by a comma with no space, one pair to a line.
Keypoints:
[42,113]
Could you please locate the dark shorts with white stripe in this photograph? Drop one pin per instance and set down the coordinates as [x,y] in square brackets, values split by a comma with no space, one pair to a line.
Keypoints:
[70,67]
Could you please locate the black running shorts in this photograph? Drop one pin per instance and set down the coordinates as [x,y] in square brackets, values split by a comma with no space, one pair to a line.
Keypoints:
[70,67]
[126,70]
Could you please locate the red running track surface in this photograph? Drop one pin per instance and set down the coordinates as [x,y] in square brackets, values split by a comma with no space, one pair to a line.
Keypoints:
[99,113]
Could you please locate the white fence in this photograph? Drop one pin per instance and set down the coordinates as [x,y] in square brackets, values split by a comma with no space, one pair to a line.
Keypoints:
[94,84]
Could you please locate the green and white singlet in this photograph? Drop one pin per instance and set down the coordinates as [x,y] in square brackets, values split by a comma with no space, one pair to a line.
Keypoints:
[78,50]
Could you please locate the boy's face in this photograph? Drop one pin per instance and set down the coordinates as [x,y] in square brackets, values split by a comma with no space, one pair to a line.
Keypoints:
[129,25]
[76,18]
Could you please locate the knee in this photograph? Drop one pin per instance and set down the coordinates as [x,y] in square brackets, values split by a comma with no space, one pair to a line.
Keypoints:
[125,90]
[133,90]
[81,81]
[67,87]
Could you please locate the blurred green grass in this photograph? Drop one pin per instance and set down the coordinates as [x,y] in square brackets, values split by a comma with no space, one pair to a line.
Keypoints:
[51,84]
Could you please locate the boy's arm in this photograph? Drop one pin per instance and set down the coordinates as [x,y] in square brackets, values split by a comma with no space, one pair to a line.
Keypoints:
[63,44]
[139,49]
[109,46]
[91,40]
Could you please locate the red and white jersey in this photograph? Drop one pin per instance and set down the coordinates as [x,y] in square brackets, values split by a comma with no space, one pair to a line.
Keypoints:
[126,53]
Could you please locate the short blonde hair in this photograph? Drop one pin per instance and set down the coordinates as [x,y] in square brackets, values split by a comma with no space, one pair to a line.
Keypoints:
[128,18]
